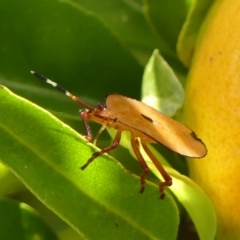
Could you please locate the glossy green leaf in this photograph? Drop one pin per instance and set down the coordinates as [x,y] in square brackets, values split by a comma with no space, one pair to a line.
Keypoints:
[189,33]
[161,88]
[21,222]
[101,202]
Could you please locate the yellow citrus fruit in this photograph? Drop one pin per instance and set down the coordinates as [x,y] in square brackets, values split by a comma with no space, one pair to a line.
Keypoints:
[212,110]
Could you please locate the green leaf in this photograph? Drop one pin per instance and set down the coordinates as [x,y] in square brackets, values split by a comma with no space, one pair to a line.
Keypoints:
[161,88]
[171,12]
[101,202]
[19,221]
[127,21]
[123,19]
[189,33]
[199,207]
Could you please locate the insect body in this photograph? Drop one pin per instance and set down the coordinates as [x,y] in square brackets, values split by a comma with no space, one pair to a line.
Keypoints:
[145,124]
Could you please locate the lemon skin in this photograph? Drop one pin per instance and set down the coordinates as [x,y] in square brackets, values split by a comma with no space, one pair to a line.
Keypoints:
[212,110]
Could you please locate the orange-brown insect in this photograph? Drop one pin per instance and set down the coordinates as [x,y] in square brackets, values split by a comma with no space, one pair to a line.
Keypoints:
[145,124]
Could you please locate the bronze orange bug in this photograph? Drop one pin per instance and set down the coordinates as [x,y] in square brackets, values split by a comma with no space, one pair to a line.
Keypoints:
[146,125]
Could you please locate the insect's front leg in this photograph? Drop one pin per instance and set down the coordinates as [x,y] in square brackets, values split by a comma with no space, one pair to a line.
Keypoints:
[114,145]
[84,114]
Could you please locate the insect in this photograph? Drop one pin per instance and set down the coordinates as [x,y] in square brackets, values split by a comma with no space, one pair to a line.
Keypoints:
[145,124]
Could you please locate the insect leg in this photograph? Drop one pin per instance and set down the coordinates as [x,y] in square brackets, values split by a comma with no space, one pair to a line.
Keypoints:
[114,145]
[158,165]
[84,114]
[135,146]
[99,133]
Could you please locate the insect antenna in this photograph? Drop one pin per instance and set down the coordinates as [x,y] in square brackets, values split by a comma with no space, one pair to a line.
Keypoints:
[63,90]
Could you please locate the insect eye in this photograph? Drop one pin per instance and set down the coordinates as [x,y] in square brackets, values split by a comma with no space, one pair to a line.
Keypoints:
[147,118]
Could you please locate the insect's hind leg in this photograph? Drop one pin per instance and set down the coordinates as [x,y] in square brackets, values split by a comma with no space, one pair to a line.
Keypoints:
[158,165]
[114,145]
[135,146]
